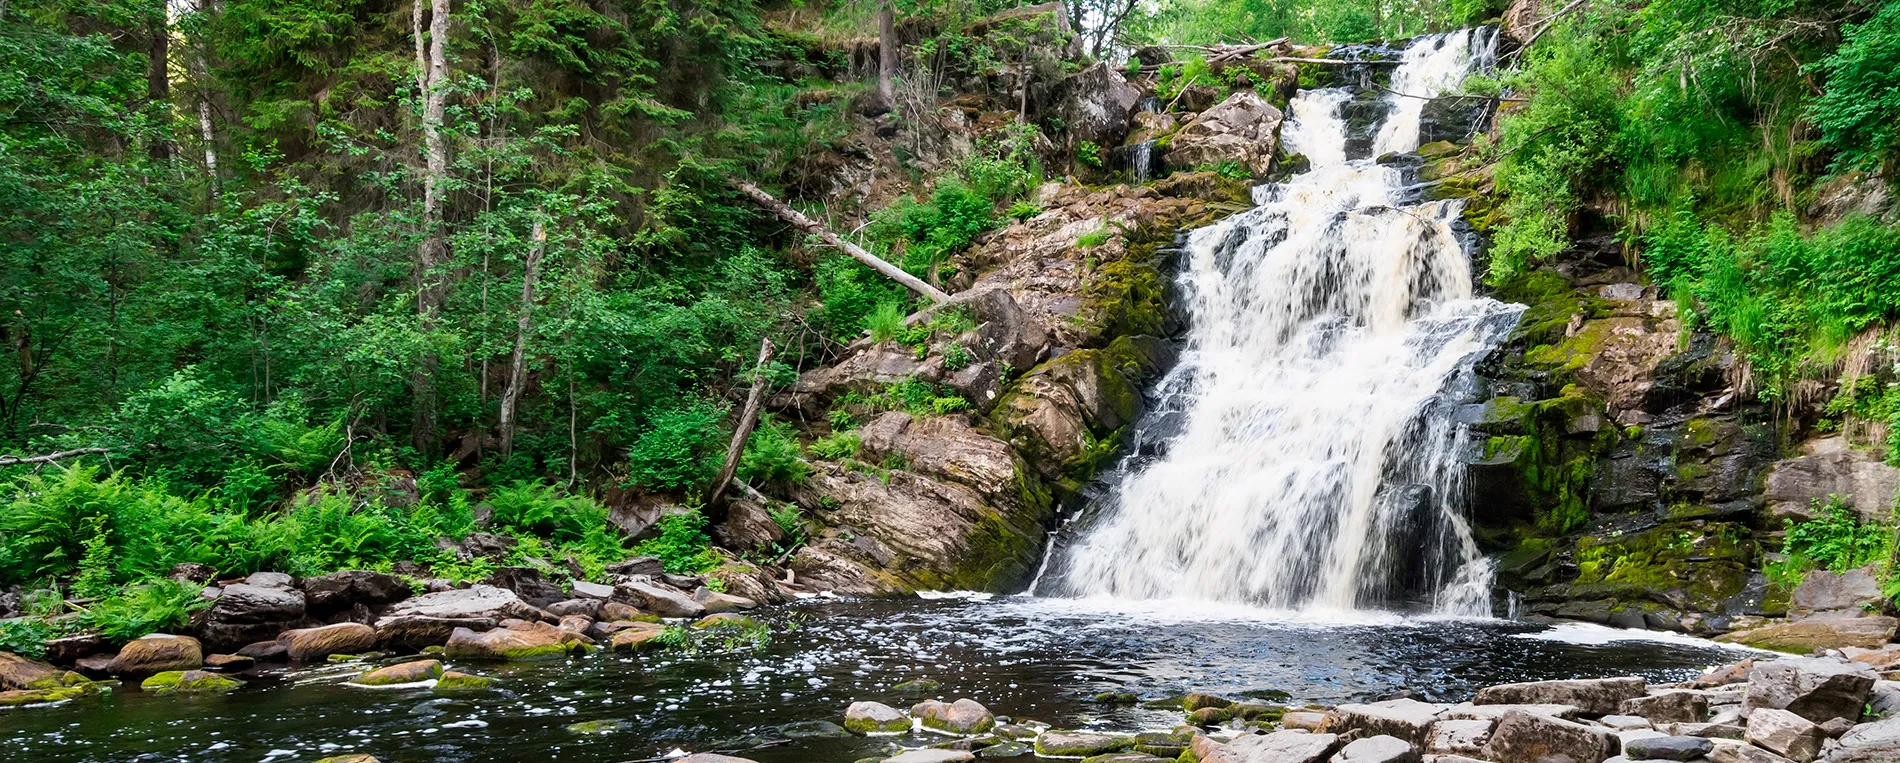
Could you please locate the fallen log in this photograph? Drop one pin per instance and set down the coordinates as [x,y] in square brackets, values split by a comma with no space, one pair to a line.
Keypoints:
[747,419]
[800,221]
[50,457]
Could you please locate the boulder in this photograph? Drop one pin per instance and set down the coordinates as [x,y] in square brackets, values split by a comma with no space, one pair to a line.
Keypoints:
[931,756]
[525,641]
[66,649]
[1667,748]
[716,602]
[1877,742]
[649,566]
[265,651]
[1376,749]
[1081,744]
[1734,751]
[1785,733]
[964,716]
[18,673]
[453,682]
[1277,747]
[594,591]
[157,653]
[1097,104]
[1853,593]
[1670,706]
[1454,737]
[277,580]
[1244,129]
[1305,720]
[1521,736]
[874,718]
[405,673]
[1407,719]
[306,644]
[189,682]
[1817,689]
[337,591]
[585,607]
[420,631]
[659,599]
[748,526]
[1468,711]
[636,636]
[1830,468]
[532,585]
[430,619]
[1832,631]
[229,663]
[246,612]
[1598,696]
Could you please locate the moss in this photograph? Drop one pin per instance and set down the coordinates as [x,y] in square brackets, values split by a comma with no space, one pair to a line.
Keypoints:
[597,728]
[1124,297]
[189,682]
[535,652]
[1686,565]
[1100,744]
[868,726]
[453,682]
[43,696]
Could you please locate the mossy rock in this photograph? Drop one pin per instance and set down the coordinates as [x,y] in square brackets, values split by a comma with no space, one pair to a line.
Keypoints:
[1081,744]
[452,682]
[863,726]
[1163,744]
[1116,698]
[20,697]
[1252,711]
[1198,700]
[918,686]
[348,759]
[1688,566]
[405,673]
[726,621]
[600,727]
[1210,716]
[189,682]
[1124,757]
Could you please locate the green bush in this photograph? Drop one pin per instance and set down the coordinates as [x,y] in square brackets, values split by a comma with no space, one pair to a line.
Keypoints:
[885,322]
[682,545]
[155,606]
[837,446]
[26,636]
[1836,540]
[1859,112]
[542,510]
[680,449]
[772,455]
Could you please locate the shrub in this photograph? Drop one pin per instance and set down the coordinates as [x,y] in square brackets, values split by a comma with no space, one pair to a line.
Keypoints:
[158,605]
[772,455]
[885,322]
[682,546]
[1859,113]
[837,446]
[25,636]
[680,449]
[1836,539]
[540,509]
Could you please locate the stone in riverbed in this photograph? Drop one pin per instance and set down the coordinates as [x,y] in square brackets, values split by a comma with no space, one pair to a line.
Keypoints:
[1005,750]
[248,612]
[452,682]
[1527,737]
[637,636]
[1456,737]
[1812,687]
[265,651]
[874,718]
[600,727]
[306,644]
[19,673]
[812,730]
[1407,719]
[1670,706]
[405,673]
[1877,742]
[1163,744]
[1124,757]
[1306,720]
[1468,711]
[726,620]
[18,697]
[526,641]
[1210,716]
[348,759]
[157,653]
[964,716]
[1667,748]
[189,682]
[1080,744]
[1198,700]
[918,686]
[716,602]
[1598,696]
[708,757]
[1785,733]
[662,601]
[930,756]
[230,663]
[1377,749]
[1277,747]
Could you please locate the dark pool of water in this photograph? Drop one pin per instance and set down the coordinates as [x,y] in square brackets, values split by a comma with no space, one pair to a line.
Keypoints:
[1027,658]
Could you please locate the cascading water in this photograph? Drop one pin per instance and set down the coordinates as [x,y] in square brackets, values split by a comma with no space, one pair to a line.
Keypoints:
[1316,463]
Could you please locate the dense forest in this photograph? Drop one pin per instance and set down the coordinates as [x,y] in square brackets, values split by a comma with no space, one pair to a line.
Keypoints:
[305,285]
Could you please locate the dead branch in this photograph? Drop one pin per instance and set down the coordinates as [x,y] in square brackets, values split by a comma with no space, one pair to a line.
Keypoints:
[800,221]
[50,457]
[747,419]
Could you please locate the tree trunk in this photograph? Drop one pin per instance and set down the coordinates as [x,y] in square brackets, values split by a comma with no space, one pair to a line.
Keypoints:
[434,248]
[158,84]
[715,511]
[518,365]
[887,54]
[813,227]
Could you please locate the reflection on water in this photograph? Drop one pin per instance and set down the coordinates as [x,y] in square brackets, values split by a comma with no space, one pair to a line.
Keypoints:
[1028,658]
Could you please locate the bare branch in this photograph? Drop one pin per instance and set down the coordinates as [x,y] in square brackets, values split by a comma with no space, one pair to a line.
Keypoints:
[50,457]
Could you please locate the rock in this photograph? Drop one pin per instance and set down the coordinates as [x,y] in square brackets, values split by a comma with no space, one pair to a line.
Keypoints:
[1853,593]
[660,600]
[1198,700]
[157,653]
[926,686]
[874,718]
[595,728]
[1097,103]
[748,526]
[1005,750]
[1244,129]
[964,716]
[229,663]
[638,636]
[1667,748]
[1599,696]
[276,580]
[338,591]
[306,644]
[1521,736]
[812,730]
[19,673]
[1819,632]
[613,611]
[931,756]
[1723,676]
[265,651]
[192,572]
[586,590]
[1733,751]
[1671,706]
[431,619]
[1625,722]
[1814,688]
[731,620]
[1455,737]
[1407,719]
[1080,744]
[452,682]
[1830,469]
[525,642]
[70,648]
[246,612]
[1376,749]
[405,673]
[1469,711]
[348,759]
[1305,720]
[1277,747]
[189,682]
[707,757]
[529,583]
[1877,742]
[716,602]
[1784,733]
[589,608]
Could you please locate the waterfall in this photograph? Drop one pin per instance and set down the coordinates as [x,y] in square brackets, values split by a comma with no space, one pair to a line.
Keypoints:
[1141,161]
[1311,460]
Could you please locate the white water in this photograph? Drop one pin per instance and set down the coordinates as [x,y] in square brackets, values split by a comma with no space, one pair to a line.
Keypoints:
[1432,66]
[1317,467]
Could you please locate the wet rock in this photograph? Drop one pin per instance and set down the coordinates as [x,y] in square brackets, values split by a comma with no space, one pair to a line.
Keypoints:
[589,608]
[404,673]
[1819,632]
[1277,747]
[1163,745]
[189,682]
[1198,700]
[1814,688]
[1600,696]
[931,756]
[918,686]
[1244,129]
[348,759]
[1523,736]
[637,636]
[1785,733]
[600,727]
[1097,104]
[964,716]
[453,682]
[1005,751]
[1454,737]
[265,651]
[1830,469]
[337,591]
[716,602]
[524,641]
[1081,744]
[157,653]
[305,644]
[1406,719]
[70,648]
[658,599]
[874,718]
[18,673]
[1376,749]
[246,612]
[1670,706]
[1468,711]
[229,663]
[1210,716]
[1667,748]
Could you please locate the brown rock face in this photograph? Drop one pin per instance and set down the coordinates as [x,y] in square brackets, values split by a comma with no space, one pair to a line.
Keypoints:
[306,644]
[1244,129]
[1817,689]
[1819,632]
[1831,469]
[18,673]
[1523,736]
[1097,105]
[157,653]
[518,640]
[1601,696]
[1785,734]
